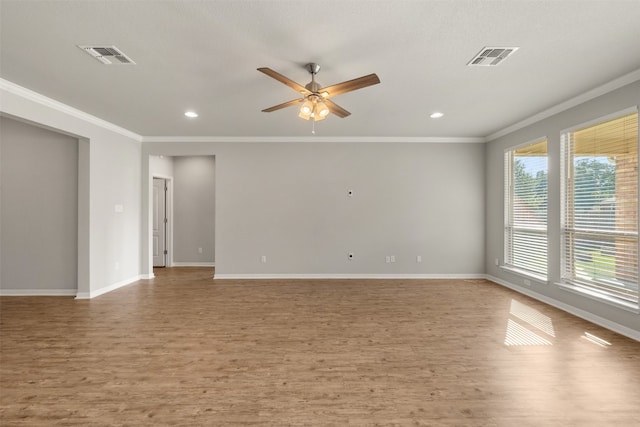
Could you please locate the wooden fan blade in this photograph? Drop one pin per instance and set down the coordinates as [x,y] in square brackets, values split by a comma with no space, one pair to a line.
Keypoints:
[350,85]
[336,109]
[285,105]
[282,79]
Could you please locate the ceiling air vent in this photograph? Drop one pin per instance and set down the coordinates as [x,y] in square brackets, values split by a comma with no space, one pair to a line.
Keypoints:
[107,54]
[490,56]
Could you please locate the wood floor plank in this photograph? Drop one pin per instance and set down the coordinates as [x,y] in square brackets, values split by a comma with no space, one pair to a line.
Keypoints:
[182,349]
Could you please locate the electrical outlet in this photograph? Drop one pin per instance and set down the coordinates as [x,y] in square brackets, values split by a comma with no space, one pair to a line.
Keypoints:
[497,262]
[393,258]
[387,259]
[350,193]
[350,255]
[419,258]
[263,259]
[199,250]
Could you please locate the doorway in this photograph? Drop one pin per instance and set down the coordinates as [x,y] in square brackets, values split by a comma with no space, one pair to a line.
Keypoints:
[189,209]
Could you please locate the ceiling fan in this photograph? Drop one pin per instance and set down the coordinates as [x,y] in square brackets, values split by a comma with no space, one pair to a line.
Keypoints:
[315,100]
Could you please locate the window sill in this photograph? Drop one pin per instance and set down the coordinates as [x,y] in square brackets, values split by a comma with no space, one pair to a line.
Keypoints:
[520,272]
[596,296]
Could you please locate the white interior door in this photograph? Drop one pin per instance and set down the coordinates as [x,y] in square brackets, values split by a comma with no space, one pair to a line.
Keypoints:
[159,222]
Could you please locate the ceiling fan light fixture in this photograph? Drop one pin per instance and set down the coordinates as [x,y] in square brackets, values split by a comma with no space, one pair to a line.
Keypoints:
[314,108]
[317,117]
[306,111]
[322,110]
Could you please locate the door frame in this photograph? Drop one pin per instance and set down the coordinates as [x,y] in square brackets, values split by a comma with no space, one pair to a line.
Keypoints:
[168,261]
[149,149]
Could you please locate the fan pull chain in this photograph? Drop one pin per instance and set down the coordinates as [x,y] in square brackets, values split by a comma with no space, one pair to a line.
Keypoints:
[313,127]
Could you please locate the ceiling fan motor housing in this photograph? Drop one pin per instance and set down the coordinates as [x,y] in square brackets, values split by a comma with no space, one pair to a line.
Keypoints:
[313,68]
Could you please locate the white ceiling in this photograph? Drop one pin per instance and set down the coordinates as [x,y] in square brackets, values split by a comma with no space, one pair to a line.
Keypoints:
[203,55]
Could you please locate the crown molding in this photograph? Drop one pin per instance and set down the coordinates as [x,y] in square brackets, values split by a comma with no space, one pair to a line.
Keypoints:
[570,103]
[317,139]
[66,109]
[30,95]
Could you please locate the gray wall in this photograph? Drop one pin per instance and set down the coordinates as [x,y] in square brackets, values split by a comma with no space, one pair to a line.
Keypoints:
[161,166]
[109,171]
[289,202]
[551,127]
[194,209]
[39,209]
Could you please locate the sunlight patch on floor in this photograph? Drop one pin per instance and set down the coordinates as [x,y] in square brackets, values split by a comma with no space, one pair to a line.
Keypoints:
[520,335]
[533,317]
[596,340]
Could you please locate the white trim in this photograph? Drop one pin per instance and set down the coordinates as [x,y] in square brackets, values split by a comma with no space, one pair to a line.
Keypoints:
[600,321]
[597,296]
[37,292]
[347,276]
[59,106]
[573,102]
[525,273]
[193,264]
[317,139]
[158,175]
[113,287]
[147,276]
[531,142]
[66,109]
[602,119]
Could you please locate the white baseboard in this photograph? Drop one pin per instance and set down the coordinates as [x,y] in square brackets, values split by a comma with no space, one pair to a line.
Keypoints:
[113,287]
[346,276]
[193,264]
[37,292]
[600,321]
[147,276]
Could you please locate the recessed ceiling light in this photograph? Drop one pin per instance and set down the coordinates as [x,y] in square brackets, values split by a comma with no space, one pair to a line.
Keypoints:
[191,114]
[436,115]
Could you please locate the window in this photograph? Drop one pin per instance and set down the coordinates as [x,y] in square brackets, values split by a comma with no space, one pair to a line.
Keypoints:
[600,209]
[526,208]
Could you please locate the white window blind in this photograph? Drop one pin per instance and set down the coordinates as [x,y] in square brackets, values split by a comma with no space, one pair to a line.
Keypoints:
[526,208]
[600,209]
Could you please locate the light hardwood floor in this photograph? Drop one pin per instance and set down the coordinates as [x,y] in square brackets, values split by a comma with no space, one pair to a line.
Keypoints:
[183,349]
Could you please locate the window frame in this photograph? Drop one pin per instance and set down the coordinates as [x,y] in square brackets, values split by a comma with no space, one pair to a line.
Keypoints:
[567,216]
[509,228]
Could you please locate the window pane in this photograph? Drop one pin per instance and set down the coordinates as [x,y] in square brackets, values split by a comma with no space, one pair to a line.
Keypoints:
[595,191]
[526,208]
